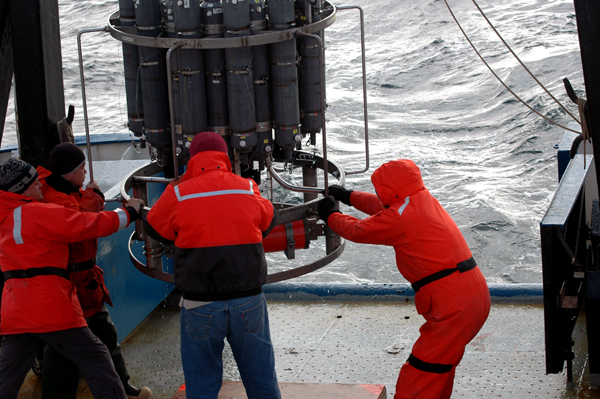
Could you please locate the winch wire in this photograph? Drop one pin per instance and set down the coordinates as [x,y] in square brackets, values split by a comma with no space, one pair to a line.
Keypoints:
[522,64]
[499,79]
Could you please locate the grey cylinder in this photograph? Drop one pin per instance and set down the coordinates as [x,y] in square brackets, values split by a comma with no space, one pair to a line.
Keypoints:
[309,79]
[240,79]
[262,87]
[282,14]
[214,66]
[154,81]
[190,65]
[284,79]
[168,17]
[236,15]
[240,95]
[131,64]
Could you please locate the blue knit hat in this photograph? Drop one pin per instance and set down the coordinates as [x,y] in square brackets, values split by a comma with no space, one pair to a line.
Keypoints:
[16,176]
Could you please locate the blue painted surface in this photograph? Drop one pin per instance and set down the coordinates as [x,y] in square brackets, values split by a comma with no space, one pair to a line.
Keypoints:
[134,294]
[569,189]
[564,152]
[94,139]
[374,292]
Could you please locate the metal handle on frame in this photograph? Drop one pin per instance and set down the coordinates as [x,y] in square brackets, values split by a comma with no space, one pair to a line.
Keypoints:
[81,77]
[364,79]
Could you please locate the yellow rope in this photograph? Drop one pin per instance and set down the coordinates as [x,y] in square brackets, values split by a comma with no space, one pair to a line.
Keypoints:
[497,77]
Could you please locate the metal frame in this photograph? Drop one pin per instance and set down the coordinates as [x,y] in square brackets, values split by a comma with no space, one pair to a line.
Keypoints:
[563,260]
[285,214]
[129,35]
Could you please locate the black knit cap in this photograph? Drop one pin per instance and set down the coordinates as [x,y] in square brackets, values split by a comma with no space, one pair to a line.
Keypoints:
[16,176]
[65,158]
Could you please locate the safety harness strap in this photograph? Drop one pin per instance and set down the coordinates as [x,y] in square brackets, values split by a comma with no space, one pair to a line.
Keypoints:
[461,267]
[466,265]
[428,367]
[81,266]
[36,271]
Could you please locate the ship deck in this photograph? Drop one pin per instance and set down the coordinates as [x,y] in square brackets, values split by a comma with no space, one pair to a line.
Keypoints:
[324,343]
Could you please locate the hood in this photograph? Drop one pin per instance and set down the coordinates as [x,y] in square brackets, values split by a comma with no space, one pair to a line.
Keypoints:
[43,173]
[397,180]
[207,161]
[9,201]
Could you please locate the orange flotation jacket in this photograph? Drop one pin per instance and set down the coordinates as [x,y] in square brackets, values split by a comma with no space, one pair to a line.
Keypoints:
[34,253]
[83,271]
[217,220]
[406,216]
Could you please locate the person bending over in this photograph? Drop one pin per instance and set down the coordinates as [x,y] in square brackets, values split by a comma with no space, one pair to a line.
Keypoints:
[431,253]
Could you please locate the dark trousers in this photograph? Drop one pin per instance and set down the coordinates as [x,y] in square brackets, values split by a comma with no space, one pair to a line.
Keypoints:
[78,345]
[61,377]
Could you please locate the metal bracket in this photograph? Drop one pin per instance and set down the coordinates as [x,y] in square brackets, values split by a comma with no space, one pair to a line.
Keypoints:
[290,251]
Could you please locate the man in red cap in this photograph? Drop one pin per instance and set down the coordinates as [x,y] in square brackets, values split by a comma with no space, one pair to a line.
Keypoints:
[431,253]
[218,220]
[39,303]
[62,185]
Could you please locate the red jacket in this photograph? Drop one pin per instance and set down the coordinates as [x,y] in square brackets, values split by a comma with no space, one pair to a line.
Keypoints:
[33,237]
[424,236]
[61,192]
[91,290]
[217,220]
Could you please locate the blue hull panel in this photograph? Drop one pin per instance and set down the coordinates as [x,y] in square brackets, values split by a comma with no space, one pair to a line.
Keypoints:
[134,295]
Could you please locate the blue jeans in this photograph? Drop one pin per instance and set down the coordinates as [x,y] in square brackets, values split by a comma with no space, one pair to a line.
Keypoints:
[245,324]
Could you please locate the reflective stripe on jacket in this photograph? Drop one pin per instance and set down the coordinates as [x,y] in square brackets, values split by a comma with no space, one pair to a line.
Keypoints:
[91,290]
[65,194]
[33,236]
[424,236]
[217,220]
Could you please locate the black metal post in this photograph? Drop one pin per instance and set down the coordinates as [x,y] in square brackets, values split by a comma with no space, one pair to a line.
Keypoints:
[6,62]
[588,28]
[39,86]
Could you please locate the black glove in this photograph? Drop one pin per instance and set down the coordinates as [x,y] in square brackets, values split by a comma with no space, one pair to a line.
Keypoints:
[326,207]
[340,194]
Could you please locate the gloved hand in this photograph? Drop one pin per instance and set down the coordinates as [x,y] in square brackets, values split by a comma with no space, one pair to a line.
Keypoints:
[326,207]
[340,194]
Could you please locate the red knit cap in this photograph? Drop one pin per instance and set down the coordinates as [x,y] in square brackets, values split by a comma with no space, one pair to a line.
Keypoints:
[207,141]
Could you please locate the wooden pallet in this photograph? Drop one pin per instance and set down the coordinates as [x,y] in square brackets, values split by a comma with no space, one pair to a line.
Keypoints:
[290,390]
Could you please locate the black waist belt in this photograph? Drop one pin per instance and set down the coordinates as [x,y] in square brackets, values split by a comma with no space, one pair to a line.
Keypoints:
[36,271]
[81,266]
[461,267]
[212,297]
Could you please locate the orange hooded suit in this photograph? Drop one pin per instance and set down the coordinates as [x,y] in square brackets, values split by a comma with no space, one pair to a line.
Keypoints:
[431,253]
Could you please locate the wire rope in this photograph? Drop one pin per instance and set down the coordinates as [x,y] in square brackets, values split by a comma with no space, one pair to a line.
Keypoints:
[497,77]
[522,64]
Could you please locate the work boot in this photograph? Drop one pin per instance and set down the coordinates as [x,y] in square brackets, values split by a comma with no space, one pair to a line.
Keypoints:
[137,393]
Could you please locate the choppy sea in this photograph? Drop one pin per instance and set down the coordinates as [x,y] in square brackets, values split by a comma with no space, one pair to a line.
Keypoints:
[487,158]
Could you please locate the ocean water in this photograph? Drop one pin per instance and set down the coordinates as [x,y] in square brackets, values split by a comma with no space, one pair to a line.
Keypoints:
[487,158]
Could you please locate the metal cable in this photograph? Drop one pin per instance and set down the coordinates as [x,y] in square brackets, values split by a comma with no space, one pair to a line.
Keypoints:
[497,77]
[522,64]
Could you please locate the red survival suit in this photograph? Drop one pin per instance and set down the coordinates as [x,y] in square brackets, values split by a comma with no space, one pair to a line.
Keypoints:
[33,256]
[431,253]
[84,273]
